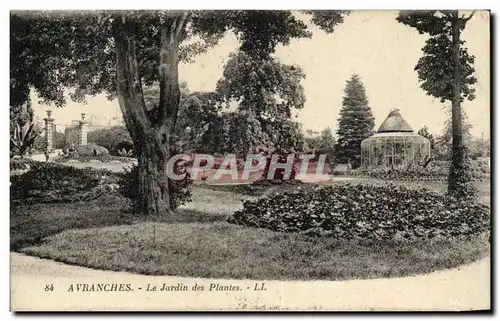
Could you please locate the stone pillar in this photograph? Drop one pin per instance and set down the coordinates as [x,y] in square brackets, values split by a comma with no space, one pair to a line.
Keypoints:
[82,131]
[49,130]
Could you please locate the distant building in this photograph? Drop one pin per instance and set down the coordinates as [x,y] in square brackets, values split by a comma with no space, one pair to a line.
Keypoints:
[311,133]
[394,145]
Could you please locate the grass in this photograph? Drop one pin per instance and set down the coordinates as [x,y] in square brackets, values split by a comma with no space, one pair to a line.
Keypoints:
[30,224]
[198,242]
[221,250]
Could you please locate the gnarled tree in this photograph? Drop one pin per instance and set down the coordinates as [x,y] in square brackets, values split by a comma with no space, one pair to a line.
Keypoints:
[120,52]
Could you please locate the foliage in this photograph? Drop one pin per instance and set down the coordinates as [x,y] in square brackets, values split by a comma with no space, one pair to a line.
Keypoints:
[124,153]
[265,87]
[71,136]
[134,49]
[86,159]
[479,147]
[425,133]
[267,92]
[91,150]
[285,136]
[20,164]
[196,112]
[446,71]
[435,171]
[356,122]
[435,68]
[58,141]
[112,138]
[279,174]
[23,139]
[21,114]
[460,175]
[366,212]
[323,145]
[56,183]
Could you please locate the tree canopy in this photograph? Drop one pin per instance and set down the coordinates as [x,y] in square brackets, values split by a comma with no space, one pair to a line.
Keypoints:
[119,53]
[435,68]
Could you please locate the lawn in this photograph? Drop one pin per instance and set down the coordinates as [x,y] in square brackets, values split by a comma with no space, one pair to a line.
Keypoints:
[222,250]
[198,242]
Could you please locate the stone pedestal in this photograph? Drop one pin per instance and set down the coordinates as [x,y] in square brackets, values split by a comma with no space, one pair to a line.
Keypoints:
[49,132]
[82,133]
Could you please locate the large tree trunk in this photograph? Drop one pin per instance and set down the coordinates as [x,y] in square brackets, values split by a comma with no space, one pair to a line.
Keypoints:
[456,115]
[149,129]
[457,151]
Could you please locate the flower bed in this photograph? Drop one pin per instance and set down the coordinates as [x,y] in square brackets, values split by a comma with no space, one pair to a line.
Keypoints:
[366,212]
[53,183]
[89,159]
[436,171]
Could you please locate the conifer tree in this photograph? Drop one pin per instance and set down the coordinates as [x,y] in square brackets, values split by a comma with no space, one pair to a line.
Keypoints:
[356,122]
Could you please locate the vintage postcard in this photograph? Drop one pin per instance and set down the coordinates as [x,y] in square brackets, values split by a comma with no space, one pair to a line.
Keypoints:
[245,160]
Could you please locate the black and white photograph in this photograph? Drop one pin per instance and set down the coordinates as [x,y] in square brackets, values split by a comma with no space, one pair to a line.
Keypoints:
[250,160]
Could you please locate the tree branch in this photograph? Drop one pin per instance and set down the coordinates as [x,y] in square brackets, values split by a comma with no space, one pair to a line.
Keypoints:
[168,103]
[187,98]
[469,17]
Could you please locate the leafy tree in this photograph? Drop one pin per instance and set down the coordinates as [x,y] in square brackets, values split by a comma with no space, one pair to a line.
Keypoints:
[425,133]
[266,92]
[326,138]
[196,110]
[446,72]
[285,136]
[121,52]
[71,136]
[356,122]
[112,138]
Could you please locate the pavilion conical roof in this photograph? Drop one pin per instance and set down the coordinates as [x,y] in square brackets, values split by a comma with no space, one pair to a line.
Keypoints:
[394,123]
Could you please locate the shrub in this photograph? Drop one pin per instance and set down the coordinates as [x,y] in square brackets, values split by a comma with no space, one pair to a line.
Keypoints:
[367,212]
[128,146]
[113,138]
[436,171]
[279,174]
[92,150]
[52,183]
[86,159]
[20,164]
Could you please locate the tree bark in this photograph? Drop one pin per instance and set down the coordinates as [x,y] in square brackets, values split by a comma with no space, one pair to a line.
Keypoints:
[456,115]
[149,133]
[456,175]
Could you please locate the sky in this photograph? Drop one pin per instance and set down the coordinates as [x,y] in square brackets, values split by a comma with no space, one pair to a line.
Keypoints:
[371,44]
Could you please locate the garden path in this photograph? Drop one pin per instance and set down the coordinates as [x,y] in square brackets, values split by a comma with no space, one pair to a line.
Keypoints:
[465,287]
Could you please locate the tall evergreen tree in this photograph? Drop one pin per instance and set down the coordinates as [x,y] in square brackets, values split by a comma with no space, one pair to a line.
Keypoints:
[356,122]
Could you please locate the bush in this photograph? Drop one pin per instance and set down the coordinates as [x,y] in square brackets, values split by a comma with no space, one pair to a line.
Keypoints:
[86,159]
[92,150]
[366,212]
[435,171]
[279,174]
[55,183]
[113,138]
[21,164]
